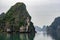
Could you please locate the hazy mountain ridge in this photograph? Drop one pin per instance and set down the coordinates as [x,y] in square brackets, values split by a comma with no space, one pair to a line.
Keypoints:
[37,29]
[54,29]
[55,25]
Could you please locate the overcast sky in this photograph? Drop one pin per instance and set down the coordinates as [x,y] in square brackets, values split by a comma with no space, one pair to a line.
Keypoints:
[43,12]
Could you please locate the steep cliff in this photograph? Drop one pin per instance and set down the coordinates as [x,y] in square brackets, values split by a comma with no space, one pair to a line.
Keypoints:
[54,28]
[2,21]
[17,18]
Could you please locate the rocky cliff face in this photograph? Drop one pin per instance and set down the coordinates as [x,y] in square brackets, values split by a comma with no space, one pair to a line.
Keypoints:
[2,21]
[18,19]
[55,25]
[54,29]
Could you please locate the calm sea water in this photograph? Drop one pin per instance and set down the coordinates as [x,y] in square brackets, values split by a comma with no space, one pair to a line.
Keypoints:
[25,36]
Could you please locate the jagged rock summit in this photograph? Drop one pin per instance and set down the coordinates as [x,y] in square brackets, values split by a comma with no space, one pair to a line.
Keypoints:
[17,18]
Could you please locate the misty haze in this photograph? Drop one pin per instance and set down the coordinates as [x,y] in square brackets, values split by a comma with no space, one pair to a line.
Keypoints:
[29,19]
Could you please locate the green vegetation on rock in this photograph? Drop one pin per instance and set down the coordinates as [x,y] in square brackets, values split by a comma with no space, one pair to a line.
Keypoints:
[16,19]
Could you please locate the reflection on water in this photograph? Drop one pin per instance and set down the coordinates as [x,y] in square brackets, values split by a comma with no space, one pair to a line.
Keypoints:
[55,35]
[42,36]
[29,36]
[17,36]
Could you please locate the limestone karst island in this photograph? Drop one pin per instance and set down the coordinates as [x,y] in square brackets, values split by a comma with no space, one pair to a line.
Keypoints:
[16,19]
